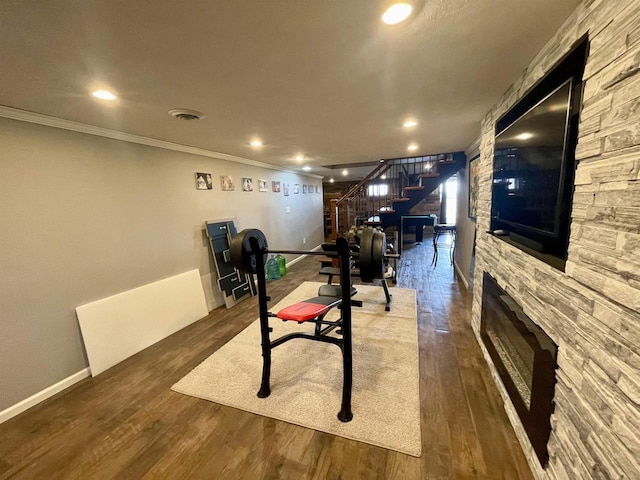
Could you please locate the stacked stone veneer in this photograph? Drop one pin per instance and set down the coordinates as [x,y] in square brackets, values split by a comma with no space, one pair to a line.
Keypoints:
[592,310]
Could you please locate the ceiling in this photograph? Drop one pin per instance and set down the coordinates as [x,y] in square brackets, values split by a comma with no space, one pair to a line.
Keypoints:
[322,78]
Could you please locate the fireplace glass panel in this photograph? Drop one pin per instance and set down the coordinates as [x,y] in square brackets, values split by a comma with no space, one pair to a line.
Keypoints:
[512,347]
[525,359]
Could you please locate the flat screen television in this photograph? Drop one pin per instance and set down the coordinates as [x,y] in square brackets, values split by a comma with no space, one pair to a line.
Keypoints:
[534,163]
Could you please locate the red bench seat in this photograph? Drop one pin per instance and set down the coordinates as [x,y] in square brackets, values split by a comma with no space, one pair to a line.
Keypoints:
[309,309]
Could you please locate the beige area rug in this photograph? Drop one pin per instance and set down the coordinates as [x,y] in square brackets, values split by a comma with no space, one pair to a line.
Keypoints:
[306,376]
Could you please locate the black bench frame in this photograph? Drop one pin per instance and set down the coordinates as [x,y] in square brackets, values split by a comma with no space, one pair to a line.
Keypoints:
[320,334]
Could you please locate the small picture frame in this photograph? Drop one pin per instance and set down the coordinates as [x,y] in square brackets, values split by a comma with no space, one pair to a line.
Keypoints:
[304,188]
[310,188]
[226,183]
[317,188]
[296,188]
[204,181]
[275,187]
[474,186]
[285,189]
[247,184]
[263,185]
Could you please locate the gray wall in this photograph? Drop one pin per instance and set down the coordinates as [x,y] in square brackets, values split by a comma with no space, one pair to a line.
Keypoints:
[465,226]
[592,310]
[83,217]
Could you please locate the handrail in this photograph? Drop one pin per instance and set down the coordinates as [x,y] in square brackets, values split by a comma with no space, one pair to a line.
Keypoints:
[357,200]
[352,190]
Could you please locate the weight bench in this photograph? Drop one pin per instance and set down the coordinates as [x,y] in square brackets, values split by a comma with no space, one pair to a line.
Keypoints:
[314,310]
[370,263]
[331,271]
[335,291]
[311,309]
[248,252]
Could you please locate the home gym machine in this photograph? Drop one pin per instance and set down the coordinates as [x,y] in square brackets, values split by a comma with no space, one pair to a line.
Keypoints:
[249,250]
[369,264]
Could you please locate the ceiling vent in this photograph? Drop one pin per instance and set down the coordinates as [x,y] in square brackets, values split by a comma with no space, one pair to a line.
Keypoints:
[184,114]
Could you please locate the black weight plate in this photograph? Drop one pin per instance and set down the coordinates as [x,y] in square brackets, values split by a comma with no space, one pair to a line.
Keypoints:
[242,255]
[365,261]
[378,249]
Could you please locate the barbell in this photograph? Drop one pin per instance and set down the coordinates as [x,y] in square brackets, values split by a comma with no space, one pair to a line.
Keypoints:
[250,244]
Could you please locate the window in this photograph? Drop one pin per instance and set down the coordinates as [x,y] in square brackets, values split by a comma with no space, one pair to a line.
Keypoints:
[449,199]
[379,190]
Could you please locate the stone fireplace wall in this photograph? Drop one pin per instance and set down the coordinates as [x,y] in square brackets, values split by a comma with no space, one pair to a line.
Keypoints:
[592,310]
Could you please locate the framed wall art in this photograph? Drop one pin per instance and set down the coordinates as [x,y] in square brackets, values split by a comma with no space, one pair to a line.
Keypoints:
[474,185]
[204,181]
[227,183]
[247,184]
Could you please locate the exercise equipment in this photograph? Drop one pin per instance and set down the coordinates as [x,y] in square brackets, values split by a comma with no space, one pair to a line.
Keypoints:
[370,261]
[234,285]
[373,245]
[249,250]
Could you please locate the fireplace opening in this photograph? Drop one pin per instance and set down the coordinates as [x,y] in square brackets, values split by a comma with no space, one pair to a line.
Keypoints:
[525,358]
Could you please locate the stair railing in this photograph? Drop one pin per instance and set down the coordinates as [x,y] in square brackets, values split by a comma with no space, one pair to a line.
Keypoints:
[353,190]
[368,198]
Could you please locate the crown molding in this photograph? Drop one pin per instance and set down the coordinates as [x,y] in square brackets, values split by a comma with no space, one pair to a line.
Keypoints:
[49,121]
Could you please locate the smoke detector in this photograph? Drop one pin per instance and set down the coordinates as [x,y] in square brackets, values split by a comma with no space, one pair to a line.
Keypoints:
[184,114]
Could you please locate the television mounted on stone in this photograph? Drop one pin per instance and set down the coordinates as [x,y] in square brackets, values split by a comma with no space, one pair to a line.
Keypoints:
[534,161]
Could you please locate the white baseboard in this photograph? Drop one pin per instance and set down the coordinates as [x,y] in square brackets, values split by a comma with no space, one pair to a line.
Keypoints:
[42,395]
[297,259]
[465,282]
[48,392]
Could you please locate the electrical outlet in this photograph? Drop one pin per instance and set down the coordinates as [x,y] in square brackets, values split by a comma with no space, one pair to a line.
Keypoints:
[304,240]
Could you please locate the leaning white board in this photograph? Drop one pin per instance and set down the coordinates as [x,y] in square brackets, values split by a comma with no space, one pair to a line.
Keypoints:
[117,327]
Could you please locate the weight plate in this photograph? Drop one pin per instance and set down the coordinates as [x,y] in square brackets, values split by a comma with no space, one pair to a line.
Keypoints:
[242,255]
[378,249]
[365,261]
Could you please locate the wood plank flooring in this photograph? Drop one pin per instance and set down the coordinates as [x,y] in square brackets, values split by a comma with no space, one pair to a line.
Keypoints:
[128,424]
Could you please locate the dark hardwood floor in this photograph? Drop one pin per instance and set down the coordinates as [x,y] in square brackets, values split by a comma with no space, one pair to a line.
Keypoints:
[127,423]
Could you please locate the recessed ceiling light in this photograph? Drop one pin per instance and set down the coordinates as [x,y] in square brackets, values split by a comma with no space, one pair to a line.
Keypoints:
[383,177]
[396,13]
[410,123]
[413,146]
[306,168]
[345,172]
[256,143]
[299,158]
[524,136]
[331,180]
[103,95]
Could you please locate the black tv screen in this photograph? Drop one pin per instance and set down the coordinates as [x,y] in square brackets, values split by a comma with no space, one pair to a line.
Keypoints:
[534,162]
[529,163]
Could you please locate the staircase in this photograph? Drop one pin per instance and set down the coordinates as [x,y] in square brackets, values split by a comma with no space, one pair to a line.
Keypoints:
[394,187]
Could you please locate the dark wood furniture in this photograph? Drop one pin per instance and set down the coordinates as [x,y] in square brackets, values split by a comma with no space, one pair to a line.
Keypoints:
[439,230]
[417,221]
